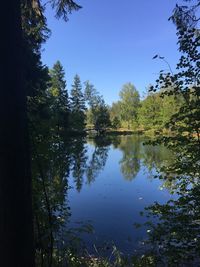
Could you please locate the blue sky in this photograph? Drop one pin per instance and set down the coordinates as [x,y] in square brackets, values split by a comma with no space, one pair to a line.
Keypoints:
[111,42]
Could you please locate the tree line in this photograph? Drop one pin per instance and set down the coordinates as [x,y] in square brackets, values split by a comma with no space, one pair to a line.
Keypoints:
[153,112]
[67,112]
[82,108]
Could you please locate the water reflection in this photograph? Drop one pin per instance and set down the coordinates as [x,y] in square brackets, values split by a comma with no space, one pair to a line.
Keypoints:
[131,159]
[174,237]
[97,167]
[107,161]
[98,158]
[78,161]
[50,169]
[134,155]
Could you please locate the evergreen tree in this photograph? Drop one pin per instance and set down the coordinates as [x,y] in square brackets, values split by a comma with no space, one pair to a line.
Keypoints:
[101,116]
[99,113]
[77,104]
[59,98]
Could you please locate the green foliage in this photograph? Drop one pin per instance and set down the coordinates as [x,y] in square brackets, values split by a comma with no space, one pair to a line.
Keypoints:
[102,118]
[115,114]
[175,235]
[64,8]
[116,259]
[150,112]
[50,167]
[98,112]
[58,100]
[129,103]
[49,157]
[77,105]
[157,109]
[115,123]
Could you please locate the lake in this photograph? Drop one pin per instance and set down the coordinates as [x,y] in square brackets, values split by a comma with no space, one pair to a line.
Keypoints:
[111,182]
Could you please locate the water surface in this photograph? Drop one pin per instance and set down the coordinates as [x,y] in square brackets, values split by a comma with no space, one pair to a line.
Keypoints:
[112,181]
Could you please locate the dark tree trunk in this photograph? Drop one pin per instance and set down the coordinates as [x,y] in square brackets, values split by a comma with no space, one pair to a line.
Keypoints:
[16,230]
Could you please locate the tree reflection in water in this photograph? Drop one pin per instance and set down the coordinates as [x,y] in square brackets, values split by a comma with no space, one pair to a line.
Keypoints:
[134,154]
[78,161]
[173,239]
[98,158]
[50,169]
[130,162]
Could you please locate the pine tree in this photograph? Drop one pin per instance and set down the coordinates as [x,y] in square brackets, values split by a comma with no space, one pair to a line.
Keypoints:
[78,116]
[59,98]
[99,114]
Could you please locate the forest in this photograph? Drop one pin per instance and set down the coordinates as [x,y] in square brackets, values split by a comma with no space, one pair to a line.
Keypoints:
[82,109]
[46,123]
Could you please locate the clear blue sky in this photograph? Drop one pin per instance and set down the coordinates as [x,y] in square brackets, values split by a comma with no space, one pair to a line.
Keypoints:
[111,42]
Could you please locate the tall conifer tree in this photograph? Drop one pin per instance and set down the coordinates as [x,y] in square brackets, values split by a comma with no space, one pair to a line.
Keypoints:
[59,98]
[78,108]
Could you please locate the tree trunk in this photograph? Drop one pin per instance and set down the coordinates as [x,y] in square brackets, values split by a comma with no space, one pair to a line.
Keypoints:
[16,224]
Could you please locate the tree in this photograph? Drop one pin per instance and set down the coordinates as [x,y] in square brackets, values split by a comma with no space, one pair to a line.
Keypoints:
[115,114]
[16,220]
[101,117]
[130,101]
[77,105]
[115,123]
[171,105]
[157,109]
[59,98]
[176,233]
[150,112]
[99,114]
